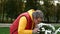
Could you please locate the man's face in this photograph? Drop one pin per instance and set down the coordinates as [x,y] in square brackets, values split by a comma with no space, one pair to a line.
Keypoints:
[37,21]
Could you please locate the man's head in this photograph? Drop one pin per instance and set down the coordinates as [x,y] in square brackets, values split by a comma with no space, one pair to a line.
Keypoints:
[37,16]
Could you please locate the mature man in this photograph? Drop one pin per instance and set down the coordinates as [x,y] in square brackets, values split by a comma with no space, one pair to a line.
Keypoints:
[26,27]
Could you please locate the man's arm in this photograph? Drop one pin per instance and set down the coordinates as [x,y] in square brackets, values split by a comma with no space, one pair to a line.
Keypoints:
[22,25]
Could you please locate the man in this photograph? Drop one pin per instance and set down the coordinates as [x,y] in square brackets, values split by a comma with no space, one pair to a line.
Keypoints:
[36,17]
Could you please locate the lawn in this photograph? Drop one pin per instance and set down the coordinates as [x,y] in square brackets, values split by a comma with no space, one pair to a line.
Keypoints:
[5,30]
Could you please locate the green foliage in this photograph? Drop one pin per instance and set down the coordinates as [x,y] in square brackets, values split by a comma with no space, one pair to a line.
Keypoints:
[58,13]
[15,7]
[30,4]
[11,8]
[50,11]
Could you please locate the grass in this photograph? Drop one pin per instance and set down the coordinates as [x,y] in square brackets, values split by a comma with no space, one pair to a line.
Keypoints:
[5,30]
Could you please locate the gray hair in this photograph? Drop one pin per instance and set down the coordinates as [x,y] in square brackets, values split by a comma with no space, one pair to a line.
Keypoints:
[38,14]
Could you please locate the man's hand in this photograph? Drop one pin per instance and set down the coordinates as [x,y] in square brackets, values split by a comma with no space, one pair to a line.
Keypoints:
[35,30]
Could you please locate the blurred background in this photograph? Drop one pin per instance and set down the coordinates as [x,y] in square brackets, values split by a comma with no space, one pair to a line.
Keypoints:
[10,9]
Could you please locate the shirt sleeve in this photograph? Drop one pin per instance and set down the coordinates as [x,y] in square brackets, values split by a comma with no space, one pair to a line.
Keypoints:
[22,25]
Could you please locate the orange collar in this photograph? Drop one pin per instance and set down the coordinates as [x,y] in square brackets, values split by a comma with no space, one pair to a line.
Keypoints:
[30,13]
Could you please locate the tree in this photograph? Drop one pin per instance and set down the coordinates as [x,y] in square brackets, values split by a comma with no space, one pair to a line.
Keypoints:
[48,9]
[11,8]
[14,8]
[58,12]
[30,4]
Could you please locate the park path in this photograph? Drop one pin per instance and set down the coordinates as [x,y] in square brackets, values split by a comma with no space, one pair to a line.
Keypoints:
[8,25]
[5,25]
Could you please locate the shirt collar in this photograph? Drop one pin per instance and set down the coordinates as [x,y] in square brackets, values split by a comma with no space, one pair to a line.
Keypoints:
[30,12]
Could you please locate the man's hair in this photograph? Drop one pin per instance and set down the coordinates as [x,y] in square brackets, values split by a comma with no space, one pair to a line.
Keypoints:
[38,14]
